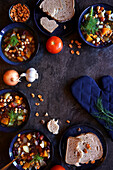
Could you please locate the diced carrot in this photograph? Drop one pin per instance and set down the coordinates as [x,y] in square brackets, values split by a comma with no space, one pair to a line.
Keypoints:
[17,97]
[94,36]
[108,12]
[105,30]
[5,121]
[24,117]
[45,154]
[20,59]
[88,38]
[29,136]
[22,53]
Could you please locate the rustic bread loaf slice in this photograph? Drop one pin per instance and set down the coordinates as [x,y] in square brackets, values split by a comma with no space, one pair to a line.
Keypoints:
[73,154]
[90,146]
[51,7]
[49,25]
[67,12]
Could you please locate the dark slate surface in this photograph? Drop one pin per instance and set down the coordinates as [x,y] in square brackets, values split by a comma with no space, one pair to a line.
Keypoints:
[57,73]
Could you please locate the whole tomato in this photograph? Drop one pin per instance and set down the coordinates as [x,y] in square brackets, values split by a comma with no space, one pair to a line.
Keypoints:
[54,44]
[57,167]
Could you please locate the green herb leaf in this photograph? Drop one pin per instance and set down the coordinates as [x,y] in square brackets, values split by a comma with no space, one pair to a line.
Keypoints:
[12,116]
[37,158]
[90,25]
[13,40]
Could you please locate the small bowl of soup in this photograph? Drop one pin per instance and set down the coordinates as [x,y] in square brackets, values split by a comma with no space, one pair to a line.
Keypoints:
[14,110]
[19,43]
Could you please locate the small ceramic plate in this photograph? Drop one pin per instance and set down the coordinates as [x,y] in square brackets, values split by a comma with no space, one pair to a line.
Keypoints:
[73,131]
[12,129]
[14,140]
[62,30]
[107,7]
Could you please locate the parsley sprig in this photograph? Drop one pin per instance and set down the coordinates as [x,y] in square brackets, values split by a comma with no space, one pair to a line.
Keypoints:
[37,158]
[13,41]
[90,25]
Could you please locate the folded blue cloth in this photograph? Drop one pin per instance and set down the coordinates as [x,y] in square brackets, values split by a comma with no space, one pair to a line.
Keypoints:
[86,92]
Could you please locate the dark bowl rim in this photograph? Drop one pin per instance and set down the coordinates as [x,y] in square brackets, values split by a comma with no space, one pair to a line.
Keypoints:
[27,131]
[79,125]
[12,129]
[21,4]
[24,26]
[79,23]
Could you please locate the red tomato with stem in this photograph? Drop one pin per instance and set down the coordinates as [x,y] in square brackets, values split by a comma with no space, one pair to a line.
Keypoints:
[54,45]
[57,167]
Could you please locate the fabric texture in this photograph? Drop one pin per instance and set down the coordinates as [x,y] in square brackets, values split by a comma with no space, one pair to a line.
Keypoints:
[86,91]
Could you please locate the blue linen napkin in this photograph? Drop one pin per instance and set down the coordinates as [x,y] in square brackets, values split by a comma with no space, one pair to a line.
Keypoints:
[86,92]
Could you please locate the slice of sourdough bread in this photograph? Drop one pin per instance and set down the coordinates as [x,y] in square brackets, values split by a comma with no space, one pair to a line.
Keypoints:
[49,25]
[67,12]
[73,155]
[83,148]
[96,150]
[50,7]
[60,10]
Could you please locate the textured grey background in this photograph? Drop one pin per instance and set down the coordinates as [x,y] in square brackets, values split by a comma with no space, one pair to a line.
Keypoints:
[56,73]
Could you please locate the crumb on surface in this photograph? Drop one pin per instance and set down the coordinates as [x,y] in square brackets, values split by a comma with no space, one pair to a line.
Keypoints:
[46,114]
[42,122]
[79,130]
[64,27]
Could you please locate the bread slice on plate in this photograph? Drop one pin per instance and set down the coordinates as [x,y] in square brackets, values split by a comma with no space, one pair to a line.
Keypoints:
[67,12]
[49,25]
[60,10]
[73,154]
[83,148]
[51,7]
[96,150]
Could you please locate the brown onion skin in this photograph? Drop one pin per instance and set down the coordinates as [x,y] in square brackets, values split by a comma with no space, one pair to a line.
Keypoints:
[9,77]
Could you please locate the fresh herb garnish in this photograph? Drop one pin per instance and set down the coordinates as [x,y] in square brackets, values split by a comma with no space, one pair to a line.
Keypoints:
[104,114]
[37,158]
[90,25]
[12,116]
[12,41]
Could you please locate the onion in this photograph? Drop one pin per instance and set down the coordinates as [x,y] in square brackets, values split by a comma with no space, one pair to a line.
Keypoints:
[11,77]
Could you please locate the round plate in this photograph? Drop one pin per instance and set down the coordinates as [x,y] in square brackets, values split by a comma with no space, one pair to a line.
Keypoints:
[12,129]
[59,31]
[15,138]
[73,131]
[18,25]
[107,7]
